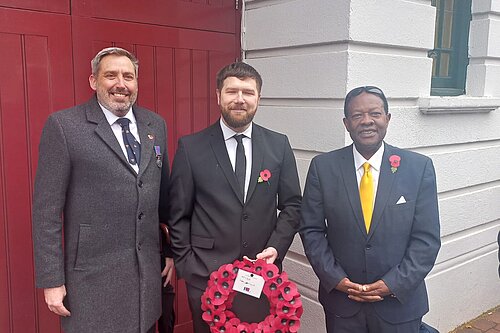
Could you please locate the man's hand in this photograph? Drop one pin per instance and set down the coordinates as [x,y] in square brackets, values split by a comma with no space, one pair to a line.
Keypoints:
[346,286]
[377,288]
[54,298]
[168,270]
[269,255]
[373,292]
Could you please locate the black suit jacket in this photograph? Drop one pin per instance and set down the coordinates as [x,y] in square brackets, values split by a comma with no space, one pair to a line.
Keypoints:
[403,241]
[210,224]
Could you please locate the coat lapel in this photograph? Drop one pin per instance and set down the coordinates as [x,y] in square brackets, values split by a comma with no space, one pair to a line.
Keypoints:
[147,138]
[104,131]
[385,183]
[351,186]
[257,159]
[220,151]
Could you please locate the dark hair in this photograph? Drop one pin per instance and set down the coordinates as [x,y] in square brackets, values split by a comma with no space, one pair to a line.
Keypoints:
[240,70]
[115,51]
[367,89]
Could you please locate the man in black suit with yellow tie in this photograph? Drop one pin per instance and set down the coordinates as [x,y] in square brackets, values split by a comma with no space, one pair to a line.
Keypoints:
[370,225]
[226,191]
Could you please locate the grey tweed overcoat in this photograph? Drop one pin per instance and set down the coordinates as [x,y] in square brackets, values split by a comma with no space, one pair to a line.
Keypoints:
[109,257]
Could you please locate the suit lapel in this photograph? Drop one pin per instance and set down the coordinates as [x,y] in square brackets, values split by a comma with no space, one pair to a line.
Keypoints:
[104,131]
[351,186]
[220,151]
[257,159]
[384,188]
[146,136]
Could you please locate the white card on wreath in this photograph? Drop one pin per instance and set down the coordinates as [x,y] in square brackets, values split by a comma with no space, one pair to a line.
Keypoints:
[249,283]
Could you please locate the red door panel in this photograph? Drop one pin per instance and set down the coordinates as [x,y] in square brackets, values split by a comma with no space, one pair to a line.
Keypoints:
[212,15]
[37,79]
[177,70]
[55,6]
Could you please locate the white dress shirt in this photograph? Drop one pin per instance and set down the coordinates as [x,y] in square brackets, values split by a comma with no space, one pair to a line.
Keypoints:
[117,130]
[375,164]
[231,145]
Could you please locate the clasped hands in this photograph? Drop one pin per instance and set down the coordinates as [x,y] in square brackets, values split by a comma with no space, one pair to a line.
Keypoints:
[373,292]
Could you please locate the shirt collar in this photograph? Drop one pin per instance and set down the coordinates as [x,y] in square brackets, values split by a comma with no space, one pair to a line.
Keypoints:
[228,133]
[375,161]
[111,117]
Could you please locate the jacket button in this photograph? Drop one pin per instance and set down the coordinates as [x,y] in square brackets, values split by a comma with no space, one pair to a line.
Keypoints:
[245,217]
[138,246]
[245,244]
[140,183]
[368,247]
[141,215]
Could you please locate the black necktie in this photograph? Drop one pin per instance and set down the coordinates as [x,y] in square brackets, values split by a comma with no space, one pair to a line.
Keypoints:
[240,168]
[132,145]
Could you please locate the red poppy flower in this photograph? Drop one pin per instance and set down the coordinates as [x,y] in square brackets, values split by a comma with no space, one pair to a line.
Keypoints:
[395,160]
[270,271]
[293,324]
[289,290]
[225,286]
[265,175]
[216,296]
[295,302]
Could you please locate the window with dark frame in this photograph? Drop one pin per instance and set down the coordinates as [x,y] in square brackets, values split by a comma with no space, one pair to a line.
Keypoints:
[450,53]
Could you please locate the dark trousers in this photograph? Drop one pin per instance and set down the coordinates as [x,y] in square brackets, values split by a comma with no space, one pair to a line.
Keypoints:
[247,309]
[194,298]
[368,321]
[167,320]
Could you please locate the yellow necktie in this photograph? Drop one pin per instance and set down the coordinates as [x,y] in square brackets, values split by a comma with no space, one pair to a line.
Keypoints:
[366,195]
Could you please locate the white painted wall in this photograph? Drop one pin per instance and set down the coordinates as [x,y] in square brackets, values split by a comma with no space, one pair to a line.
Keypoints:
[311,52]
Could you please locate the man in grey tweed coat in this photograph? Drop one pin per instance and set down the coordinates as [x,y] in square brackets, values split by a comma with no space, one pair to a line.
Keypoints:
[104,275]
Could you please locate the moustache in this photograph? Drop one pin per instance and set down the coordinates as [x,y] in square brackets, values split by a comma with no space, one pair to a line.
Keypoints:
[120,91]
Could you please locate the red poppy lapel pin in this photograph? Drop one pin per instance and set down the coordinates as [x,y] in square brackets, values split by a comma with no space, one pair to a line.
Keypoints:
[264,176]
[395,161]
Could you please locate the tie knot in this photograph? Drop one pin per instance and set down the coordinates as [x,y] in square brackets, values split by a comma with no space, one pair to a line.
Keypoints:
[239,138]
[366,166]
[123,122]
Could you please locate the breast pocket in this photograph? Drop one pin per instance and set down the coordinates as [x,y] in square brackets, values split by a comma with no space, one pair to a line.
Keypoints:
[268,179]
[399,218]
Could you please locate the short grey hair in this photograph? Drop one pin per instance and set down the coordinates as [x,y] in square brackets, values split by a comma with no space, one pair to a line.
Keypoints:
[113,51]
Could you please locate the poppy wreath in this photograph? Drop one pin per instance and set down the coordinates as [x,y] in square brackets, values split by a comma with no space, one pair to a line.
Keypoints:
[285,305]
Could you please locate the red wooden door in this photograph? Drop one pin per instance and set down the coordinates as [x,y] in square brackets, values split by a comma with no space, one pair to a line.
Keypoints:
[52,6]
[177,70]
[44,65]
[36,79]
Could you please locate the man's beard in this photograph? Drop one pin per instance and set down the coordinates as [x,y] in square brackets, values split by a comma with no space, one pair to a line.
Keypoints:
[118,108]
[237,122]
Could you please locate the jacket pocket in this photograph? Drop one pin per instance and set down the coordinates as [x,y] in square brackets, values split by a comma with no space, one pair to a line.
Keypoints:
[84,247]
[202,242]
[400,216]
